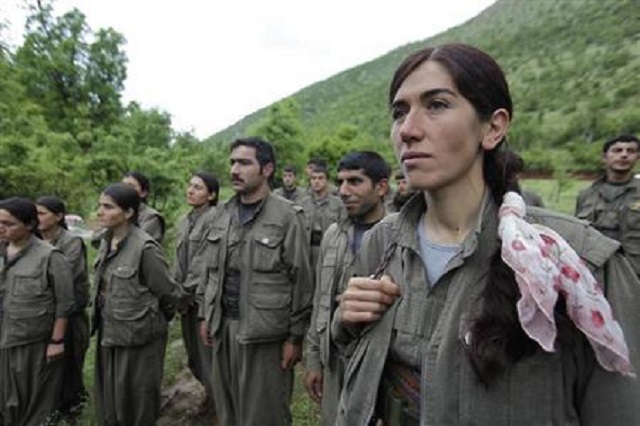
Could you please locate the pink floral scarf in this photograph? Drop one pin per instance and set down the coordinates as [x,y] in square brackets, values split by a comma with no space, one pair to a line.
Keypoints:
[546,266]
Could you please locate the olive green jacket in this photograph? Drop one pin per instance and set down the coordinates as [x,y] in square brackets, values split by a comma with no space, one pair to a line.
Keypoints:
[276,288]
[188,239]
[430,325]
[36,287]
[334,269]
[76,253]
[151,221]
[296,195]
[618,218]
[135,293]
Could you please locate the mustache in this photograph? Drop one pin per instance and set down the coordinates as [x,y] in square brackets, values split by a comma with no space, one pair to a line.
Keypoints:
[236,178]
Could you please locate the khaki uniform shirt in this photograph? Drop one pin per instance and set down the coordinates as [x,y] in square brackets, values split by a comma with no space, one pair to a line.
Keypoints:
[426,329]
[294,195]
[75,251]
[320,213]
[191,231]
[151,221]
[614,210]
[36,287]
[275,282]
[135,294]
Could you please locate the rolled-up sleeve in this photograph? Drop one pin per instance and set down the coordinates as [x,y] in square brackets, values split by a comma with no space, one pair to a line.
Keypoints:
[61,281]
[157,277]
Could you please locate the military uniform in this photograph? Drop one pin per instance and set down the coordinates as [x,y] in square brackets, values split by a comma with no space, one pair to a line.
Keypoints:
[135,299]
[614,210]
[294,195]
[425,331]
[255,295]
[335,267]
[320,213]
[190,233]
[77,336]
[151,221]
[36,288]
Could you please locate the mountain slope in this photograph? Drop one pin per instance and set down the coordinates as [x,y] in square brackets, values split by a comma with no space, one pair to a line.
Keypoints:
[573,67]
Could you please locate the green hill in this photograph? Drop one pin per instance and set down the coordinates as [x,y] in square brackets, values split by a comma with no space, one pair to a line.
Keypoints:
[573,67]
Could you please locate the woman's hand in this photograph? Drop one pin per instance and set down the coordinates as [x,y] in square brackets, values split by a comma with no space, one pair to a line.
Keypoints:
[55,351]
[366,299]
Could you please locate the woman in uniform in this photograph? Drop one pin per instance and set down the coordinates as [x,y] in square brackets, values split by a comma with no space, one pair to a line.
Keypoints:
[468,309]
[135,299]
[202,196]
[149,219]
[36,298]
[53,228]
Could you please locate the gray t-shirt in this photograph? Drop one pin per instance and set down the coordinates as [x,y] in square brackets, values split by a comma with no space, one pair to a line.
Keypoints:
[435,256]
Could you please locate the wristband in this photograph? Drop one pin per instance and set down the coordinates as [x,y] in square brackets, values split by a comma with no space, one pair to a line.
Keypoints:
[56,341]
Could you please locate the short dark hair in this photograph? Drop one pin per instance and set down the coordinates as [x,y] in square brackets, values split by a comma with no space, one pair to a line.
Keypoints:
[264,150]
[125,197]
[290,168]
[320,169]
[374,166]
[620,138]
[317,161]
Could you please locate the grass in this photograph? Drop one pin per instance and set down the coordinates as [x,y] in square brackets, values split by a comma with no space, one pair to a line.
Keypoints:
[559,196]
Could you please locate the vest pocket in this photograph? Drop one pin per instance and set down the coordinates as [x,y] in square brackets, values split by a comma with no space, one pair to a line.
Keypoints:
[29,323]
[28,286]
[266,253]
[268,315]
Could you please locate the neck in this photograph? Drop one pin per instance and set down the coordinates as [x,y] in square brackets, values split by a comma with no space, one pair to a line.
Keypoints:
[256,195]
[119,232]
[619,177]
[452,213]
[16,246]
[199,209]
[50,234]
[321,194]
[372,216]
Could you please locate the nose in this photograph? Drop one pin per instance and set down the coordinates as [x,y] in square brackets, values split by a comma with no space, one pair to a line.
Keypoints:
[411,129]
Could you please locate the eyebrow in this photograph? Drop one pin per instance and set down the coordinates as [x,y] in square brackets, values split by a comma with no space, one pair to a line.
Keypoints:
[428,94]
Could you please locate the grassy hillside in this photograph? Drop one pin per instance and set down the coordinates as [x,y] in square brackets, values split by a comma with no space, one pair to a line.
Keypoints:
[573,67]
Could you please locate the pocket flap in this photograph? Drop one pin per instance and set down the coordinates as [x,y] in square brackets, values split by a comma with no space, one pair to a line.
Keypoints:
[270,241]
[130,313]
[270,300]
[124,272]
[27,313]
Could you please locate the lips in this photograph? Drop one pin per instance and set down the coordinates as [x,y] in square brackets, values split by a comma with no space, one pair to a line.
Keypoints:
[414,155]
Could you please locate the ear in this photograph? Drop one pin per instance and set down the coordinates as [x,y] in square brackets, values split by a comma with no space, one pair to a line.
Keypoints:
[267,170]
[495,129]
[212,196]
[128,214]
[382,188]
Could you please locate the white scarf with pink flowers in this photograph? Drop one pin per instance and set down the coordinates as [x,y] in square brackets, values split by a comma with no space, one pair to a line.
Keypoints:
[546,266]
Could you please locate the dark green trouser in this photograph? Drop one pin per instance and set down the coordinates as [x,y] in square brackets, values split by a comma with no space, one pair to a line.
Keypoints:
[29,386]
[198,355]
[249,386]
[75,346]
[127,383]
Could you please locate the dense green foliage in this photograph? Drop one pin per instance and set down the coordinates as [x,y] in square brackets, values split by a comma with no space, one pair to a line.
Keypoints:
[573,67]
[63,127]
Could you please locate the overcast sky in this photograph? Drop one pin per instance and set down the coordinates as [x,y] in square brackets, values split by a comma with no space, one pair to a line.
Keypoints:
[211,62]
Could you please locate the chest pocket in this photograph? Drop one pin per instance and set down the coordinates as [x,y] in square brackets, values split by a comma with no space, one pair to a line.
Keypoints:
[267,247]
[28,285]
[633,214]
[214,248]
[125,283]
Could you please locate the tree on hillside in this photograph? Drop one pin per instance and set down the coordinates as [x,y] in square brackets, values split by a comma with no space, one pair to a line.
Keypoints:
[74,74]
[283,128]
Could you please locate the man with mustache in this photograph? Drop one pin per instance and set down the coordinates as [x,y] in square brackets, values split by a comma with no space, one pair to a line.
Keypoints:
[612,203]
[255,292]
[363,183]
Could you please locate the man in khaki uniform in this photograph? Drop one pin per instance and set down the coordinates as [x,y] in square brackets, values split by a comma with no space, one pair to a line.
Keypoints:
[255,294]
[289,190]
[612,203]
[363,183]
[321,210]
